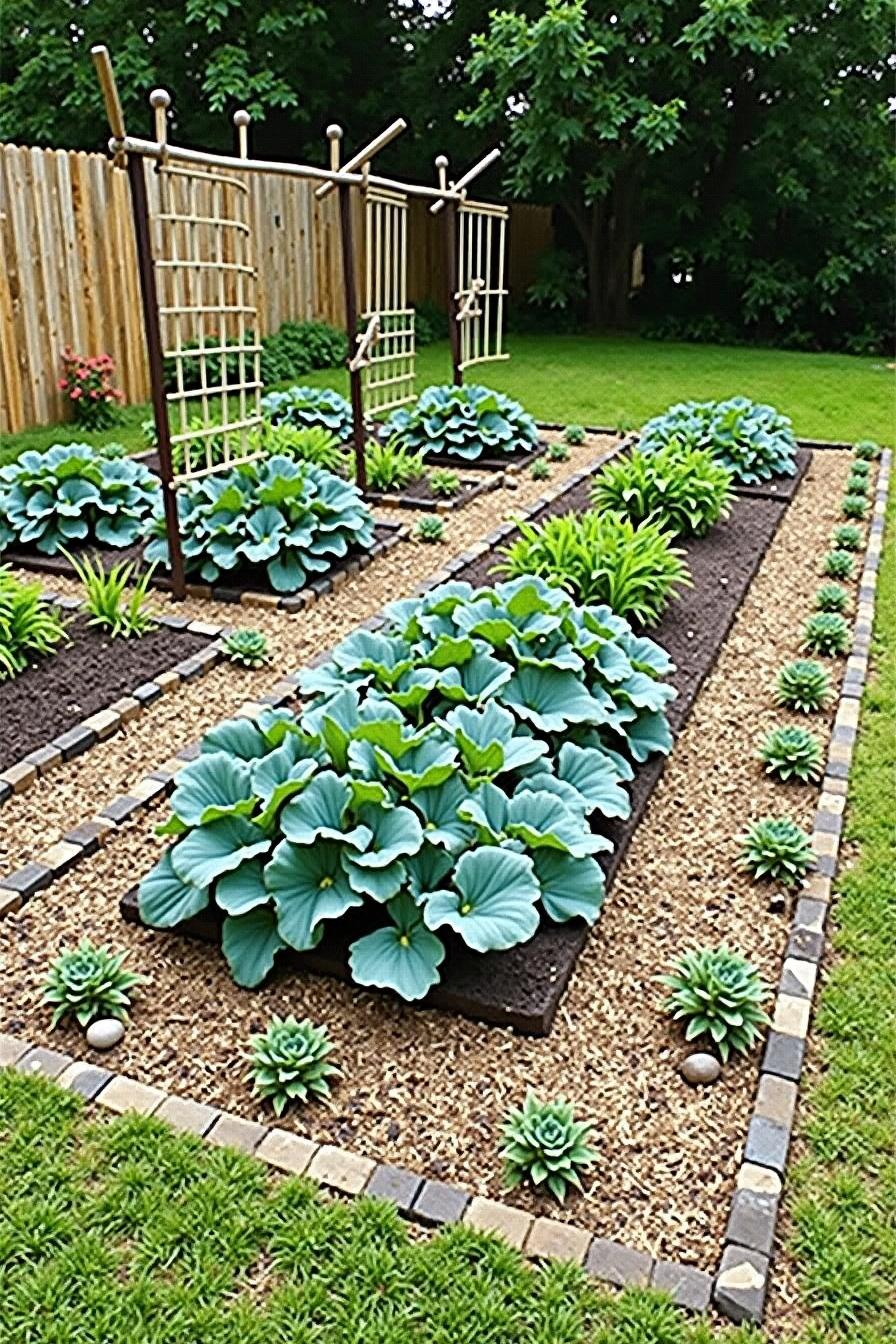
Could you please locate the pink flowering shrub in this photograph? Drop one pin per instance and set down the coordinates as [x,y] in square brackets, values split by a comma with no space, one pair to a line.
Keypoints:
[87,383]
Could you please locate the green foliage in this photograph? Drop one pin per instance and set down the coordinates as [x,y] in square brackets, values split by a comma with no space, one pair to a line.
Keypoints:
[441,773]
[430,323]
[831,597]
[600,557]
[466,422]
[755,443]
[543,1143]
[719,994]
[826,632]
[540,471]
[847,538]
[854,506]
[866,450]
[558,452]
[72,493]
[247,647]
[803,685]
[792,753]
[89,982]
[29,627]
[289,1062]
[859,470]
[292,517]
[444,482]
[574,435]
[310,408]
[838,565]
[685,491]
[296,348]
[559,284]
[104,592]
[858,483]
[430,528]
[778,849]
[314,444]
[392,465]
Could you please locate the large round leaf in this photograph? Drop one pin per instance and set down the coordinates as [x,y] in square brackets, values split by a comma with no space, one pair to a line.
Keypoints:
[594,775]
[404,957]
[209,851]
[541,820]
[237,737]
[250,942]
[243,889]
[551,699]
[492,901]
[319,814]
[440,810]
[308,885]
[165,899]
[570,888]
[216,784]
[394,833]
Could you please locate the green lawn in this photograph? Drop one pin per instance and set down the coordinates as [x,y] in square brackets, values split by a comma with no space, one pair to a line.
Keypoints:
[620,381]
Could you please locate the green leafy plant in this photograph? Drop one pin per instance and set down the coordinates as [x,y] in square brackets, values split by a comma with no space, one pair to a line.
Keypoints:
[826,632]
[540,471]
[854,506]
[290,1062]
[444,482]
[86,384]
[247,647]
[310,408]
[600,557]
[803,685]
[104,598]
[441,773]
[848,537]
[296,348]
[838,565]
[543,1143]
[719,994]
[314,444]
[392,465]
[430,322]
[858,484]
[859,471]
[430,528]
[29,627]
[753,442]
[831,597]
[574,435]
[90,982]
[778,849]
[467,422]
[792,753]
[74,493]
[293,518]
[558,452]
[686,491]
[866,450]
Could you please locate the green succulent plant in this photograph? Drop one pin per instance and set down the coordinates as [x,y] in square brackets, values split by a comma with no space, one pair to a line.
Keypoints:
[753,442]
[574,435]
[392,465]
[718,994]
[247,647]
[29,626]
[540,471]
[310,408]
[831,597]
[854,506]
[430,528]
[866,450]
[90,982]
[826,632]
[857,484]
[543,1143]
[104,595]
[558,452]
[792,753]
[778,849]
[684,490]
[803,685]
[860,471]
[444,482]
[290,1062]
[838,565]
[466,422]
[847,537]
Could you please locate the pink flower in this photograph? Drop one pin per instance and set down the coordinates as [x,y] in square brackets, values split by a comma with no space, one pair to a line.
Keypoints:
[75,393]
[62,384]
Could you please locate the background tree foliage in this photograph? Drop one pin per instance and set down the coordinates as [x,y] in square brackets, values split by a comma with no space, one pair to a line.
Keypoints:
[744,143]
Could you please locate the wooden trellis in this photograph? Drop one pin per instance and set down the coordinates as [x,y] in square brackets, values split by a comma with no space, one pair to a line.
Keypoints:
[481,282]
[387,376]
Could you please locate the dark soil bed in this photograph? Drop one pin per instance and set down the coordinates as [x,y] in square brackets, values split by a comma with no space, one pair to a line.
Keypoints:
[503,462]
[782,487]
[82,677]
[420,494]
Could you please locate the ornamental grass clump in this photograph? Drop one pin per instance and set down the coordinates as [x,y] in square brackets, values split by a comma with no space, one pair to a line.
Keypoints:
[752,441]
[854,506]
[686,491]
[803,685]
[104,596]
[838,565]
[574,435]
[392,465]
[88,983]
[543,1143]
[430,529]
[249,648]
[866,450]
[831,597]
[718,994]
[444,482]
[290,1063]
[466,422]
[792,753]
[847,537]
[777,849]
[313,444]
[29,626]
[827,633]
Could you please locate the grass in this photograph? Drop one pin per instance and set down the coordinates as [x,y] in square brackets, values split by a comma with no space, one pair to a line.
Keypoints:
[620,381]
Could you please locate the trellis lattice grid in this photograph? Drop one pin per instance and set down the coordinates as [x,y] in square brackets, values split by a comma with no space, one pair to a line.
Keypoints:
[388,371]
[482,289]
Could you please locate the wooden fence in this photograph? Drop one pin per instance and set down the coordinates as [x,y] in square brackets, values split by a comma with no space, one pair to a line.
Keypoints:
[69,277]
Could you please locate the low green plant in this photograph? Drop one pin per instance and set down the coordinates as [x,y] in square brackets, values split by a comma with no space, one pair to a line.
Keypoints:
[685,490]
[249,648]
[838,565]
[600,557]
[290,1062]
[468,422]
[444,482]
[831,597]
[29,627]
[792,753]
[754,442]
[89,982]
[866,450]
[826,632]
[719,994]
[574,435]
[854,506]
[857,484]
[558,452]
[847,537]
[778,849]
[104,595]
[392,465]
[540,471]
[430,528]
[860,471]
[313,443]
[543,1143]
[310,408]
[803,685]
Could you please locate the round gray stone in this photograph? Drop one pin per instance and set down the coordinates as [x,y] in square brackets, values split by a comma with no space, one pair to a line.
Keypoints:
[104,1033]
[700,1069]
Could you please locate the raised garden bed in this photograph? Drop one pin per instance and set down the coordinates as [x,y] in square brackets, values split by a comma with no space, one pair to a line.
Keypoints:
[420,495]
[511,462]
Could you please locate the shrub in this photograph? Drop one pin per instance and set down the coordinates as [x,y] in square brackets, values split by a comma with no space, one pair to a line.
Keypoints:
[847,538]
[558,452]
[684,490]
[86,383]
[838,565]
[291,517]
[430,322]
[544,1144]
[540,471]
[220,369]
[318,446]
[29,627]
[754,442]
[430,528]
[719,994]
[803,685]
[104,596]
[466,422]
[574,435]
[298,347]
[602,558]
[778,849]
[392,465]
[826,632]
[444,482]
[441,773]
[72,493]
[866,450]
[289,1062]
[792,753]
[310,408]
[831,597]
[247,647]
[90,982]
[854,506]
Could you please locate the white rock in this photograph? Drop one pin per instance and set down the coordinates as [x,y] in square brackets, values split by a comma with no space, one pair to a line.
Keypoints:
[700,1069]
[104,1033]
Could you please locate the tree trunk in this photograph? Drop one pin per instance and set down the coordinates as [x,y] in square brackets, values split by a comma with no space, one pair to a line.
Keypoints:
[606,229]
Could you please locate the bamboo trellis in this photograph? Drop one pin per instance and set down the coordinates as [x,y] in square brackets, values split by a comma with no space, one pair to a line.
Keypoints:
[388,364]
[481,282]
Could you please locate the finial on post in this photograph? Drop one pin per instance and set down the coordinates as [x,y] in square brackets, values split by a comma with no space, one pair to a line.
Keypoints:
[334,135]
[160,101]
[241,121]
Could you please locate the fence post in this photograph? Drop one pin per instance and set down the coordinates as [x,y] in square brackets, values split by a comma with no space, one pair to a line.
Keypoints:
[451,271]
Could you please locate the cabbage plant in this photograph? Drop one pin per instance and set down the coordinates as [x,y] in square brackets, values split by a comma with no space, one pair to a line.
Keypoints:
[450,773]
[292,517]
[752,441]
[310,408]
[466,422]
[73,493]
